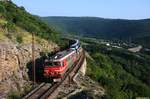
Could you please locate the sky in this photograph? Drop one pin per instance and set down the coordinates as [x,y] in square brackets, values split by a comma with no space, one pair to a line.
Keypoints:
[122,9]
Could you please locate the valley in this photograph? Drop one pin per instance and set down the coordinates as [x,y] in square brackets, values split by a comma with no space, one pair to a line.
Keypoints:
[135,31]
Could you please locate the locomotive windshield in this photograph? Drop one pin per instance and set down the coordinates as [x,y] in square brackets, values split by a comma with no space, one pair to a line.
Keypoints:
[51,64]
[72,42]
[56,64]
[48,64]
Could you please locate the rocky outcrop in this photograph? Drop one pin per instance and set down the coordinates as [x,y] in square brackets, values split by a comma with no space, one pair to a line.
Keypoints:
[83,88]
[83,67]
[13,66]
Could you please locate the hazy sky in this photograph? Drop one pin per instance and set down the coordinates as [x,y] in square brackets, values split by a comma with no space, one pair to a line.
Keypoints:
[126,9]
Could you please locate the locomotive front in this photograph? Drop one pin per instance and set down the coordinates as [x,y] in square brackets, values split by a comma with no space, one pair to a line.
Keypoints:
[53,69]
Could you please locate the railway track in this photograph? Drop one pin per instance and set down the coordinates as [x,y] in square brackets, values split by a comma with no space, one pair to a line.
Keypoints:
[47,90]
[38,91]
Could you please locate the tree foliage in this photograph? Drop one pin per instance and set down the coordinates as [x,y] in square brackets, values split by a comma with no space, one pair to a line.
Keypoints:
[123,74]
[19,17]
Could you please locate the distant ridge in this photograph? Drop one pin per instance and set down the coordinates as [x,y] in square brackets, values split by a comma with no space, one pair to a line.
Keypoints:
[106,28]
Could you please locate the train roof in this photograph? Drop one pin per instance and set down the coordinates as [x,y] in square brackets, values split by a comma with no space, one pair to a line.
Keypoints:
[76,42]
[60,55]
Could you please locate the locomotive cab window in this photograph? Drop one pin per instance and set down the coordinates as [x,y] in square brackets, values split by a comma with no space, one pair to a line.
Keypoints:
[56,63]
[52,64]
[48,64]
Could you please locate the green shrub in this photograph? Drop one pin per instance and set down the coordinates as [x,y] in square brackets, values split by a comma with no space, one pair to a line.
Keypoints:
[2,9]
[14,95]
[19,39]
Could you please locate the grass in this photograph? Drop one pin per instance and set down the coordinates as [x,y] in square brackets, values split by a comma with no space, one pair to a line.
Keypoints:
[1,36]
[2,22]
[14,95]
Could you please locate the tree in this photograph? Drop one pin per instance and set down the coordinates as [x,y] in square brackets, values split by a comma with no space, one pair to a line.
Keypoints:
[2,9]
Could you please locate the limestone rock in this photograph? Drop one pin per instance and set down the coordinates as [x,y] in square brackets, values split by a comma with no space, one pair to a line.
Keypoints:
[13,66]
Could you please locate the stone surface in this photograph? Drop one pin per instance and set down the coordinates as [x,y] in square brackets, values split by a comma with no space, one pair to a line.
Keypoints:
[13,66]
[83,67]
[84,88]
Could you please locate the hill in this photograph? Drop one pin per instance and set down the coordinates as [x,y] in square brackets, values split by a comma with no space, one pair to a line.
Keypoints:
[102,28]
[13,18]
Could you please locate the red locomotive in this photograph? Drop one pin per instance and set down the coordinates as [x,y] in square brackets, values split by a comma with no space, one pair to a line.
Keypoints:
[57,66]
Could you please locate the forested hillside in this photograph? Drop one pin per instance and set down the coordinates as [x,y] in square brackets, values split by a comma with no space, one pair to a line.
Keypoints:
[132,30]
[123,74]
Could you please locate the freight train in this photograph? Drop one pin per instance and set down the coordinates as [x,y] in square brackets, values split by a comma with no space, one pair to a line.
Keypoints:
[56,67]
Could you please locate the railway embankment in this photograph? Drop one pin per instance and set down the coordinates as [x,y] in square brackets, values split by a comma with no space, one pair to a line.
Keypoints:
[81,87]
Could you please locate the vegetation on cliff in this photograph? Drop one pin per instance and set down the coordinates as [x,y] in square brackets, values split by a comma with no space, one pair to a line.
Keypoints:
[13,17]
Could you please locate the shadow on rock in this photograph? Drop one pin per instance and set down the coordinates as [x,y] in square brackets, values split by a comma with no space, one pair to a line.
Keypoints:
[38,68]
